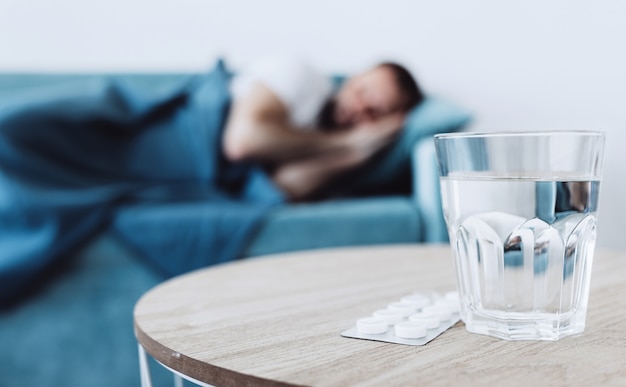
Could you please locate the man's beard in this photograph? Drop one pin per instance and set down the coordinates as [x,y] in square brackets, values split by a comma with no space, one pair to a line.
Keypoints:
[326,120]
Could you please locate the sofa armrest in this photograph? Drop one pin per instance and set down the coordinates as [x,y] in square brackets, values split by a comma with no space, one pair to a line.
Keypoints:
[426,191]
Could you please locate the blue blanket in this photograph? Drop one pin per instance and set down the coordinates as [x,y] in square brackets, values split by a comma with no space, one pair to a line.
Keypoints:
[147,165]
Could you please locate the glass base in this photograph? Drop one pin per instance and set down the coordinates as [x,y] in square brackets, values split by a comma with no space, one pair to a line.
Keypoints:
[547,327]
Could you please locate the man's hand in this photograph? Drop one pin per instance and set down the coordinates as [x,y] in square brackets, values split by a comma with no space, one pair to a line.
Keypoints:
[369,137]
[303,179]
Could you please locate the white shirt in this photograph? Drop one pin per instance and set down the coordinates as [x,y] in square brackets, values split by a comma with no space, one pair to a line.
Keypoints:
[298,85]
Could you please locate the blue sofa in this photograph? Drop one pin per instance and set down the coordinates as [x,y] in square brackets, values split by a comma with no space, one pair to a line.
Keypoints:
[75,327]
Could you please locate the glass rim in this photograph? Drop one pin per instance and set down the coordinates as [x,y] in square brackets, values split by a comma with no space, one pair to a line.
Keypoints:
[541,133]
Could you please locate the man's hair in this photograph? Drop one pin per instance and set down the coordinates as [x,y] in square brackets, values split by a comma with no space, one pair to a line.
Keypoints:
[407,84]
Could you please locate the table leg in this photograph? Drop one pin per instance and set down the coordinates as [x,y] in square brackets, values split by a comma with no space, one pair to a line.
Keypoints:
[178,380]
[146,380]
[144,368]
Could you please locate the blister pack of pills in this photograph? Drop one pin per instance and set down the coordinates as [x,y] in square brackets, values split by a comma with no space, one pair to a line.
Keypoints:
[415,319]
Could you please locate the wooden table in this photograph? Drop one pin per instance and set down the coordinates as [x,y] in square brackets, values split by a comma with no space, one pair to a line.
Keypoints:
[277,321]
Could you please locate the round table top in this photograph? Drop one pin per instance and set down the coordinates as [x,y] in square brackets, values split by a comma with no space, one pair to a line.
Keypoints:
[277,320]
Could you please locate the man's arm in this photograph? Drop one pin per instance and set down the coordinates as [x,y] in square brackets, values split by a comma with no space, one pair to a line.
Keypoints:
[303,179]
[258,129]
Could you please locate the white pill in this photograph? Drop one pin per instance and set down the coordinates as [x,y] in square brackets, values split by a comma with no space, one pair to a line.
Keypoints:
[443,313]
[431,322]
[410,330]
[452,305]
[405,308]
[419,300]
[371,325]
[391,316]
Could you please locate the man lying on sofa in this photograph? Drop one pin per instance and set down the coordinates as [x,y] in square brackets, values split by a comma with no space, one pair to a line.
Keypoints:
[69,161]
[287,116]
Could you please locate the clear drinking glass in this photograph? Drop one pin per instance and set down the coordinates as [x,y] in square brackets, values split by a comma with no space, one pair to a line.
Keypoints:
[521,213]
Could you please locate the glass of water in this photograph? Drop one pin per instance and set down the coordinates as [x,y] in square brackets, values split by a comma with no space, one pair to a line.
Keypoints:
[521,212]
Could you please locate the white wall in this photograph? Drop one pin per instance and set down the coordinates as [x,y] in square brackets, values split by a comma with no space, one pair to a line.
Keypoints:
[526,65]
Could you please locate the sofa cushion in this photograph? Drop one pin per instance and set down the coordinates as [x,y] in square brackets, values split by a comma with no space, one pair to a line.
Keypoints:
[338,223]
